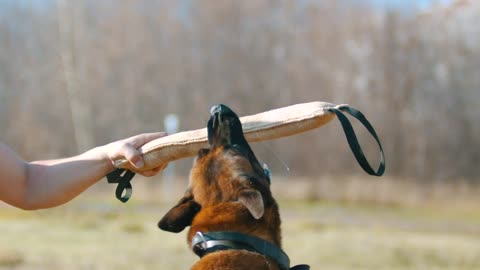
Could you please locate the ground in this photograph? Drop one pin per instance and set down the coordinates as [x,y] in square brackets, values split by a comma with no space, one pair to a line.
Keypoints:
[97,232]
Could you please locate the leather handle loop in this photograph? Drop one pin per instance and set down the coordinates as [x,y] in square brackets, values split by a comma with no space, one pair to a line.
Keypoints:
[121,177]
[353,141]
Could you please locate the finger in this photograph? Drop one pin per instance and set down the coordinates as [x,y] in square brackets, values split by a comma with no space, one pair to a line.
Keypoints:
[150,173]
[142,139]
[132,155]
[153,171]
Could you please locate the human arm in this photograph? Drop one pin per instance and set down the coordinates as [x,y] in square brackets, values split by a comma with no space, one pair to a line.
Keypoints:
[49,183]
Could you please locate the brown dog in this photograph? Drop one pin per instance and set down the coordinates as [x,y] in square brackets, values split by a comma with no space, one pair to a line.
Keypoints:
[234,220]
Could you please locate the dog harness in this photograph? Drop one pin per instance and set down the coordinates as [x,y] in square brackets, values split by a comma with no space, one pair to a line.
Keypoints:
[206,243]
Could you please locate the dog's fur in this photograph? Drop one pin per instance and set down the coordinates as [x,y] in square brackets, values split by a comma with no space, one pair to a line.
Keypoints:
[228,191]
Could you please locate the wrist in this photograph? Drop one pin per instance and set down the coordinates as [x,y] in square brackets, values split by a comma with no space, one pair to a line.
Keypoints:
[100,154]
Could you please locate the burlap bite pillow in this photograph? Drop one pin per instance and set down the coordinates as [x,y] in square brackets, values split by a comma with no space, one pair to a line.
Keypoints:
[263,126]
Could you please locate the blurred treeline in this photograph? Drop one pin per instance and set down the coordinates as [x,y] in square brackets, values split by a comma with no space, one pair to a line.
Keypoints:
[75,74]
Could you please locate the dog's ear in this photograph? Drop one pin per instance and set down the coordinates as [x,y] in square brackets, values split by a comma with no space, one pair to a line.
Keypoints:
[181,215]
[252,199]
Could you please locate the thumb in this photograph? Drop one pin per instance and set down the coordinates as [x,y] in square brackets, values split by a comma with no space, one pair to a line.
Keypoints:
[134,157]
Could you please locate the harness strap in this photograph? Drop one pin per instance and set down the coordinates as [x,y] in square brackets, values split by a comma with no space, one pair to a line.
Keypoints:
[202,244]
[205,243]
[301,267]
[353,141]
[121,177]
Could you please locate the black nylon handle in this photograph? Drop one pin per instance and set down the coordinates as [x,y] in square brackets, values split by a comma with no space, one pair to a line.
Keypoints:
[122,177]
[353,141]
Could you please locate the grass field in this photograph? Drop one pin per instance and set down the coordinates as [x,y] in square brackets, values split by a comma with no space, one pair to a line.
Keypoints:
[97,232]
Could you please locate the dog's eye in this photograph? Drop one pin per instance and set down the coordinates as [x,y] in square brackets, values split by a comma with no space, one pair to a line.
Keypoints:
[249,179]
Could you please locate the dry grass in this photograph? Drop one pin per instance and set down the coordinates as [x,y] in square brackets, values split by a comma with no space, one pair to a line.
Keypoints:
[10,258]
[96,232]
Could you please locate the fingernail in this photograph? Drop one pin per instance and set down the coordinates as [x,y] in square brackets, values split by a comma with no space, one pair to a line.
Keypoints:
[139,163]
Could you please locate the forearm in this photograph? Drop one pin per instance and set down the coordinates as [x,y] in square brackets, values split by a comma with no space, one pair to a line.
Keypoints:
[48,183]
[54,182]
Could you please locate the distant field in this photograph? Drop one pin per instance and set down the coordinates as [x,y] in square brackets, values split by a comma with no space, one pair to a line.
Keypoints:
[96,232]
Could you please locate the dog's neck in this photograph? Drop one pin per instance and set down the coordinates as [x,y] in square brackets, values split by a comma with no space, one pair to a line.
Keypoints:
[232,216]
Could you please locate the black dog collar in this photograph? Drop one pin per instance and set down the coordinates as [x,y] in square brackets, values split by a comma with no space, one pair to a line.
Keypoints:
[205,243]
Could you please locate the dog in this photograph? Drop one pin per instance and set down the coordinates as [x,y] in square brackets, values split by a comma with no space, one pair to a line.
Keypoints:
[234,219]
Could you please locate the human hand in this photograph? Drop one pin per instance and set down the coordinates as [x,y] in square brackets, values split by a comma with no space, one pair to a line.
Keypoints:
[128,149]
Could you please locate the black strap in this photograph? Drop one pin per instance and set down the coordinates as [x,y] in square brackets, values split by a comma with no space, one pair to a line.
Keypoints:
[353,141]
[122,177]
[301,267]
[210,246]
[206,243]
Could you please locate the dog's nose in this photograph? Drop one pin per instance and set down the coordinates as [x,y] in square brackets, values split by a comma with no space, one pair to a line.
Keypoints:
[215,109]
[220,108]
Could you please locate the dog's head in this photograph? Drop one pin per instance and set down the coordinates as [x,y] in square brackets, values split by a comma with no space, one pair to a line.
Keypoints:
[226,173]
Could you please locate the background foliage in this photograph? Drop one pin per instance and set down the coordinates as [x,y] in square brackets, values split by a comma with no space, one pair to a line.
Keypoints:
[75,74]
